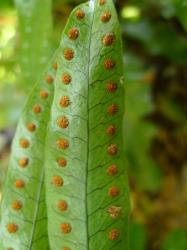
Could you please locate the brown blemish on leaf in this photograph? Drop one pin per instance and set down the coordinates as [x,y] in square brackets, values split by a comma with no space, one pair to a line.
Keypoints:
[113,192]
[113,234]
[64,101]
[68,54]
[37,109]
[111,87]
[23,162]
[109,64]
[66,78]
[19,183]
[24,143]
[112,170]
[112,149]
[62,205]
[44,94]
[80,14]
[108,39]
[9,248]
[73,33]
[63,143]
[106,16]
[57,181]
[102,2]
[62,162]
[65,228]
[63,122]
[16,205]
[114,212]
[66,248]
[49,79]
[55,66]
[111,130]
[12,228]
[31,127]
[113,109]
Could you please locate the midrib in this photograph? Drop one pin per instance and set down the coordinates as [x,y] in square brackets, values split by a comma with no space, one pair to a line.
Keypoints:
[37,208]
[88,119]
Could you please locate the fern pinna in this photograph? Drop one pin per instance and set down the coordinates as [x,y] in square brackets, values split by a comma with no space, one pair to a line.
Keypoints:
[66,187]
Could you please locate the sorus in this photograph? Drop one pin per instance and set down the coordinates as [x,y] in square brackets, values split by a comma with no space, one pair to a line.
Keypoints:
[80,14]
[37,109]
[112,170]
[108,39]
[73,33]
[68,54]
[105,17]
[19,183]
[113,109]
[63,122]
[112,149]
[44,94]
[114,212]
[63,143]
[66,78]
[114,234]
[16,205]
[57,181]
[31,127]
[62,205]
[64,101]
[24,143]
[62,162]
[55,66]
[109,64]
[66,228]
[23,162]
[111,130]
[12,228]
[113,191]
[111,87]
[49,79]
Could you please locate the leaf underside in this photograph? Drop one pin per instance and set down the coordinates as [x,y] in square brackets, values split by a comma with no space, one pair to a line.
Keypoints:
[80,129]
[23,203]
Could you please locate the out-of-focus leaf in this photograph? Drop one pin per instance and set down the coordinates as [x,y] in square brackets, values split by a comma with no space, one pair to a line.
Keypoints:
[159,40]
[139,132]
[35,24]
[175,240]
[138,236]
[172,110]
[181,10]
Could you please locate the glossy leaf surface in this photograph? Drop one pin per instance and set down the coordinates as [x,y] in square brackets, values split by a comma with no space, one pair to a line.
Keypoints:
[86,186]
[23,209]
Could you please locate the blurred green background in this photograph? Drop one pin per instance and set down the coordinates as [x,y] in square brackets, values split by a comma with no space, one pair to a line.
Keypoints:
[155,125]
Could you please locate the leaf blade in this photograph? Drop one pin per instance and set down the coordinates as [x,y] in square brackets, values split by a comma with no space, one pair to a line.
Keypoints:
[23,208]
[76,184]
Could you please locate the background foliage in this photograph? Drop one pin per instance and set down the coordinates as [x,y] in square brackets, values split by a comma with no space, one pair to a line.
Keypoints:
[155,125]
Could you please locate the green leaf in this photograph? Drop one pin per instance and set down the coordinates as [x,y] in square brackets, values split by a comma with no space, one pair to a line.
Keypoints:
[23,209]
[35,23]
[86,187]
[176,239]
[181,9]
[157,39]
[138,131]
[138,236]
[81,209]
